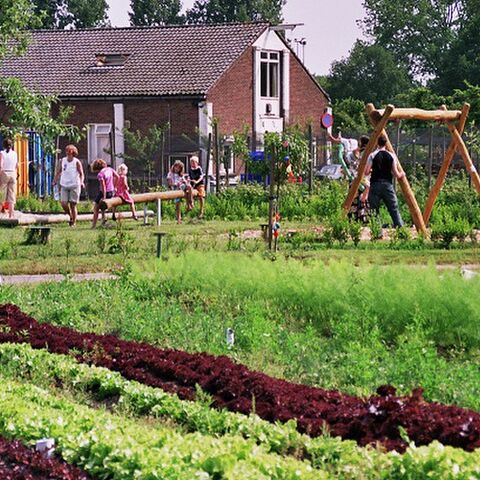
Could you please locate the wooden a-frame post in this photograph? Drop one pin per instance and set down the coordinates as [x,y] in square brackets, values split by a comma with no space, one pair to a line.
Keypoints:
[432,197]
[379,119]
[462,148]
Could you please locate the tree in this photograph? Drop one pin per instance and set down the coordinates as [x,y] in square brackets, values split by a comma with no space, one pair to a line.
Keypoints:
[469,94]
[369,73]
[220,11]
[16,18]
[462,61]
[350,116]
[31,111]
[155,12]
[420,97]
[26,109]
[146,148]
[72,13]
[85,14]
[47,11]
[416,32]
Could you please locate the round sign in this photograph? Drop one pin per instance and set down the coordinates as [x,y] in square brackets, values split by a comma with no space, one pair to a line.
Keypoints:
[327,120]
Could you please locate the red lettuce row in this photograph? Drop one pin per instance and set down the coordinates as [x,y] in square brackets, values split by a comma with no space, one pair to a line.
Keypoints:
[18,462]
[233,386]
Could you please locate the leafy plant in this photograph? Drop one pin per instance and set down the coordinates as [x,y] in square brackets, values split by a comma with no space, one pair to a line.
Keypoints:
[101,241]
[375,229]
[121,241]
[143,150]
[446,229]
[355,231]
[339,227]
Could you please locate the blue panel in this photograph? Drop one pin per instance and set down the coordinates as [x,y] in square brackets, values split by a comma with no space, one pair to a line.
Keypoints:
[49,172]
[40,167]
[254,178]
[257,156]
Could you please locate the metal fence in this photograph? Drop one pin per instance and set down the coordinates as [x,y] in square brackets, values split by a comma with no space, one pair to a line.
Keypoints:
[422,150]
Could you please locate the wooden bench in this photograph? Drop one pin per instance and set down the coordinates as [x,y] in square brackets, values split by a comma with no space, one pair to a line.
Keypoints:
[38,235]
[159,236]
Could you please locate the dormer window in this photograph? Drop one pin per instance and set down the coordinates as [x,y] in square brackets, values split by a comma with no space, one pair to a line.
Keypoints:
[110,60]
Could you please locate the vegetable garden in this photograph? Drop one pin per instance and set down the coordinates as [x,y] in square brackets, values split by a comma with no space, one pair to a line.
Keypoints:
[132,378]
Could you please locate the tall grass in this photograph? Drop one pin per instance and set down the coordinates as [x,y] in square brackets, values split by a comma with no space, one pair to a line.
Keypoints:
[322,295]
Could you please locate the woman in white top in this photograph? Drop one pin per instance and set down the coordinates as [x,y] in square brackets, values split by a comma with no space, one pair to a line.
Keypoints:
[8,174]
[70,173]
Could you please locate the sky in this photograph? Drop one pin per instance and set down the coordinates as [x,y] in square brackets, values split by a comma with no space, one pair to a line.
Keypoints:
[330,27]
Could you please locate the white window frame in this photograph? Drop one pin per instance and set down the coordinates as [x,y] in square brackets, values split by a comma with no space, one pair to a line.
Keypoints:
[267,57]
[96,131]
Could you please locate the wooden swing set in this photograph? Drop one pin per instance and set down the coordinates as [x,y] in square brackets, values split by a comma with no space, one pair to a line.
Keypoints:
[455,121]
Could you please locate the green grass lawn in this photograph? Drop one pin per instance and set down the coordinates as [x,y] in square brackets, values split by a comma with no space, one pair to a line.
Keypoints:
[82,250]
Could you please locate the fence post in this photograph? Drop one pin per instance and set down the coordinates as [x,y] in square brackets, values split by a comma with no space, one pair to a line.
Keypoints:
[217,158]
[145,215]
[430,158]
[207,164]
[246,161]
[414,157]
[272,198]
[162,154]
[310,156]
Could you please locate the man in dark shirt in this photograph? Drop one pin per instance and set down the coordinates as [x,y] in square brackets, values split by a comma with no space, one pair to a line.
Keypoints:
[196,176]
[383,166]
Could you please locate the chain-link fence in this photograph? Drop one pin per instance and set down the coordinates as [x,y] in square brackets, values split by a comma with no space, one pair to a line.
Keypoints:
[420,151]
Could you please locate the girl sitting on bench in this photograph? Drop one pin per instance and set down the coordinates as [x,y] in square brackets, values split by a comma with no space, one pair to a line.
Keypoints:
[177,180]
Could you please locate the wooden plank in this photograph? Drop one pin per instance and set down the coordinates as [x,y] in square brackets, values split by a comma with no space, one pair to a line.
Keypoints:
[419,114]
[145,197]
[372,143]
[24,219]
[442,174]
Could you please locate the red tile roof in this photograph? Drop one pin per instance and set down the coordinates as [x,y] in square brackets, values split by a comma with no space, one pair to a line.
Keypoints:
[173,60]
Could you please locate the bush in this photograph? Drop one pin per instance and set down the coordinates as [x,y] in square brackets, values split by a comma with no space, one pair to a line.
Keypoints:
[447,229]
[355,231]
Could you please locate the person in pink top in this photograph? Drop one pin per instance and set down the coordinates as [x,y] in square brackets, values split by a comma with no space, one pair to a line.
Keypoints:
[123,191]
[107,179]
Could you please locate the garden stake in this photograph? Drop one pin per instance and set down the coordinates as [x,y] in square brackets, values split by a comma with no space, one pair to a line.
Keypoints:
[159,236]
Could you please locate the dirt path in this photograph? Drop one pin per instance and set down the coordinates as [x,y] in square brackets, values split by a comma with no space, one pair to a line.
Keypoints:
[35,279]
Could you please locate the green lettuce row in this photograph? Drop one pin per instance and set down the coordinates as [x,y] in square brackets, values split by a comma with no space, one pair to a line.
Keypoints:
[113,447]
[21,361]
[339,458]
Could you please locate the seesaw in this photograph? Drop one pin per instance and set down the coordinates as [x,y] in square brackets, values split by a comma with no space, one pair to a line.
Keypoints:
[146,198]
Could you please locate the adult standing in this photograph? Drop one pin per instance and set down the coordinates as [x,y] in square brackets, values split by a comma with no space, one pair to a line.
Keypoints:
[71,176]
[8,174]
[383,167]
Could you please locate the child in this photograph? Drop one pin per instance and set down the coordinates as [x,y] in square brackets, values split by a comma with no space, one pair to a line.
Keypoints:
[178,181]
[196,181]
[123,191]
[107,178]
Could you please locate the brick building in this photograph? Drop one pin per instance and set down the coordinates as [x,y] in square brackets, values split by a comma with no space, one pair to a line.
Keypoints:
[117,78]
